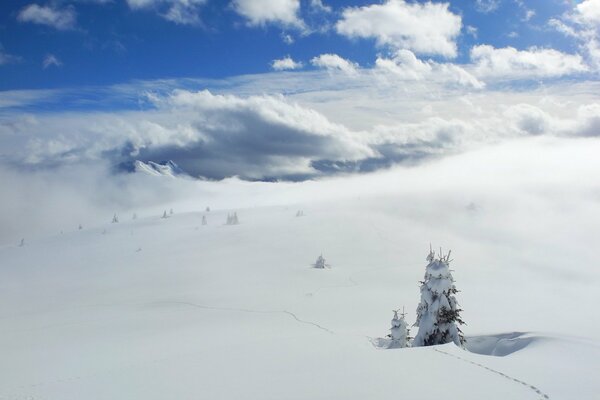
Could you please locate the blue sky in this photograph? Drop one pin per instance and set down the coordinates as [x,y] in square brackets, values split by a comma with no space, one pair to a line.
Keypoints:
[290,89]
[108,42]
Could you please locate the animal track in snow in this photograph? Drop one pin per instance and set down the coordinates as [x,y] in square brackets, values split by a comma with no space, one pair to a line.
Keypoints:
[527,385]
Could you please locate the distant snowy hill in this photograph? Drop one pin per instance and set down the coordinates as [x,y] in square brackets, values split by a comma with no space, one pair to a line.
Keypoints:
[165,168]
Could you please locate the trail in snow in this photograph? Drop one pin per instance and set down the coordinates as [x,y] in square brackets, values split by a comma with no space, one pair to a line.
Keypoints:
[527,385]
[247,310]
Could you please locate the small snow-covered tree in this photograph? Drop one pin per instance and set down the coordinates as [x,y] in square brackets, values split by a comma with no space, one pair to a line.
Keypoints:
[300,213]
[134,216]
[204,222]
[399,332]
[320,263]
[207,209]
[22,243]
[171,211]
[115,219]
[80,227]
[438,312]
[232,219]
[165,214]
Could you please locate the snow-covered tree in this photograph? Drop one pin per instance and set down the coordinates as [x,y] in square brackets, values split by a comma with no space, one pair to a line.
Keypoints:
[438,312]
[232,219]
[171,211]
[207,209]
[22,243]
[204,222]
[320,263]
[165,214]
[115,219]
[300,213]
[399,332]
[134,217]
[80,227]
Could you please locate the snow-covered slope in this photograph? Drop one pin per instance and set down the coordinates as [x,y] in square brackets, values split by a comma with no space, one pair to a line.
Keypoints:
[167,168]
[169,309]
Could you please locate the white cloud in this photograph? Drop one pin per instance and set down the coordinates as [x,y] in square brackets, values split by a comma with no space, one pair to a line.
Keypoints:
[61,19]
[287,38]
[405,65]
[428,28]
[510,63]
[589,11]
[263,12]
[51,60]
[285,63]
[334,62]
[183,12]
[487,6]
[471,30]
[6,58]
[319,6]
[528,14]
[583,24]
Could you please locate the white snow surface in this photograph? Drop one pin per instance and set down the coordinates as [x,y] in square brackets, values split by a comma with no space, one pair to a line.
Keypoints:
[171,309]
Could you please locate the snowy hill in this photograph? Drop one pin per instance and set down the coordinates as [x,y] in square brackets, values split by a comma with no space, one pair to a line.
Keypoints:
[159,308]
[167,308]
[165,168]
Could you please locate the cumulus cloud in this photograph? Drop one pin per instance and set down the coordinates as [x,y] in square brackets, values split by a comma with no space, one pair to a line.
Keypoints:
[51,60]
[183,12]
[588,11]
[333,62]
[510,63]
[263,12]
[285,63]
[405,65]
[61,19]
[206,134]
[582,23]
[402,111]
[428,28]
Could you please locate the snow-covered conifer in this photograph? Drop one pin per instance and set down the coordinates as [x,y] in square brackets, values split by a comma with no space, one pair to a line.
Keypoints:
[165,214]
[171,211]
[320,263]
[80,227]
[234,219]
[22,242]
[399,332]
[300,213]
[207,209]
[115,219]
[438,312]
[134,217]
[204,222]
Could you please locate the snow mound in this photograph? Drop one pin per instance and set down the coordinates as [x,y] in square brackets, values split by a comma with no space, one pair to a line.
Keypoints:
[502,344]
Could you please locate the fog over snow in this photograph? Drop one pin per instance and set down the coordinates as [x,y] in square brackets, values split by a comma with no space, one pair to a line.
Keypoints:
[361,131]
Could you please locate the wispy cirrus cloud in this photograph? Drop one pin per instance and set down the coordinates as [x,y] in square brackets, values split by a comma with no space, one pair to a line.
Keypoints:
[183,12]
[510,63]
[50,60]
